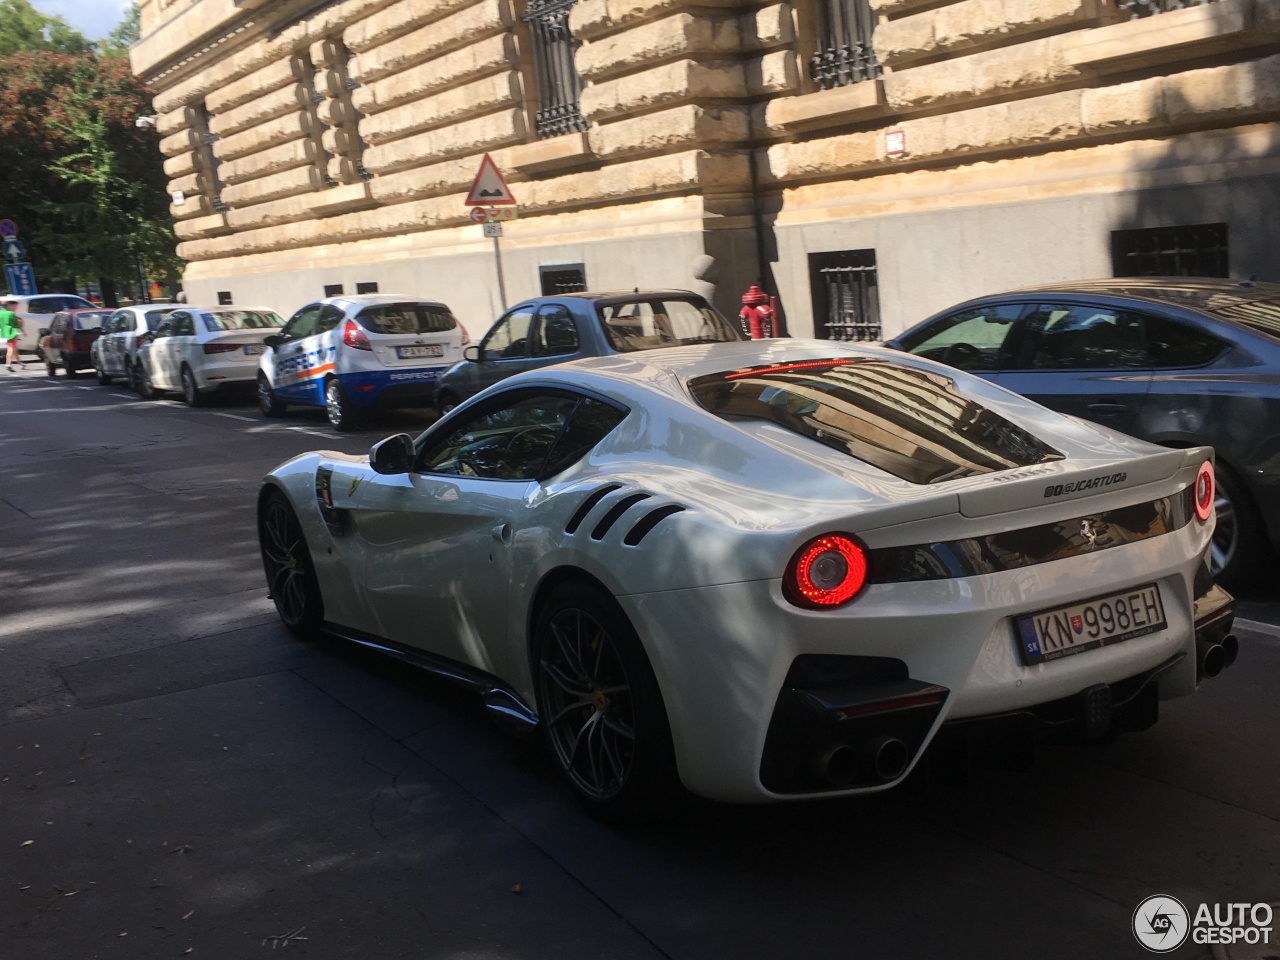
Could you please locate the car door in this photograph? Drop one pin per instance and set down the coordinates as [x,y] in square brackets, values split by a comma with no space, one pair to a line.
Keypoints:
[165,354]
[1086,360]
[53,344]
[152,356]
[111,343]
[295,361]
[438,539]
[504,351]
[555,336]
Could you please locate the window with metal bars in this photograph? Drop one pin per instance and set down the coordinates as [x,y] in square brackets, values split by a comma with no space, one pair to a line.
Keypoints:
[846,295]
[563,278]
[844,51]
[1137,9]
[555,74]
[1199,250]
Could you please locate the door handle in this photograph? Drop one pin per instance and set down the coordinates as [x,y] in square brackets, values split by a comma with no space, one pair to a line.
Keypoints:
[502,533]
[1108,408]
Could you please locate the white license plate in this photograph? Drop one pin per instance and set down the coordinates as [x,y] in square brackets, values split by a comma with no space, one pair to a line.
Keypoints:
[254,349]
[1052,634]
[427,350]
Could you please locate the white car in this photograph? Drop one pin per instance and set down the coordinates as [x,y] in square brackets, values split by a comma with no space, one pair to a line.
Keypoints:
[199,350]
[765,570]
[113,353]
[349,354]
[37,313]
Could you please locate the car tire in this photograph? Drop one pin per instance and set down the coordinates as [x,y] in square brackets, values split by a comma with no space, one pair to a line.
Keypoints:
[1239,546]
[191,394]
[291,577]
[103,378]
[268,402]
[445,402]
[342,415]
[603,717]
[50,369]
[146,390]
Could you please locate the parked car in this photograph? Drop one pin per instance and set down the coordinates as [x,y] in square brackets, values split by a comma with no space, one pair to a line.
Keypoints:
[763,570]
[199,350]
[69,338]
[1180,362]
[350,354]
[113,353]
[547,330]
[37,315]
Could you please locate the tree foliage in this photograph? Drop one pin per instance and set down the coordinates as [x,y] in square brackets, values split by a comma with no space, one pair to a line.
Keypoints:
[23,28]
[126,33]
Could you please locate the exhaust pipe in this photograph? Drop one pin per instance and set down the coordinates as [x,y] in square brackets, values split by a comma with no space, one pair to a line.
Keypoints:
[1231,647]
[835,763]
[1210,659]
[889,757]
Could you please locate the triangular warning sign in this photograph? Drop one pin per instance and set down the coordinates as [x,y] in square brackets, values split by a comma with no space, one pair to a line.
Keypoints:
[489,189]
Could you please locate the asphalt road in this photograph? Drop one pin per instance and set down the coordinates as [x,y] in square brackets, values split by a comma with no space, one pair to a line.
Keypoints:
[178,776]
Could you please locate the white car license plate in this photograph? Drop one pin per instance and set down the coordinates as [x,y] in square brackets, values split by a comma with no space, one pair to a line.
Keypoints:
[254,349]
[427,350]
[1052,634]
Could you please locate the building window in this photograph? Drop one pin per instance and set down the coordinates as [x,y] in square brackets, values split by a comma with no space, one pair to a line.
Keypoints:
[1149,8]
[333,289]
[845,54]
[368,287]
[206,159]
[224,298]
[846,295]
[554,72]
[563,278]
[1195,251]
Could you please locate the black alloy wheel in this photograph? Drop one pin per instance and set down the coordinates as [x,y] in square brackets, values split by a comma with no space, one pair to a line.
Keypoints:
[143,385]
[103,377]
[191,395]
[601,711]
[50,368]
[268,402]
[342,415]
[445,402]
[291,578]
[1237,549]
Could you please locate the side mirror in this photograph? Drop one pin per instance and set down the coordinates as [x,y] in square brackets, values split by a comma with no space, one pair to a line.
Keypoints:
[393,455]
[473,353]
[147,337]
[273,341]
[43,332]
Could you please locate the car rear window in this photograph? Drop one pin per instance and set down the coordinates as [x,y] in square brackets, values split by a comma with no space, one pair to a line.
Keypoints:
[910,423]
[1260,316]
[90,321]
[646,324]
[407,318]
[242,320]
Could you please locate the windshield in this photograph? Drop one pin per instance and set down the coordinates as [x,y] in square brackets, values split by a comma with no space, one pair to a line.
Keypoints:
[407,318]
[912,424]
[241,320]
[645,324]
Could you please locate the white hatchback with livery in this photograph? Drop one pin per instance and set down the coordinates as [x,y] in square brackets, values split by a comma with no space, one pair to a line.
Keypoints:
[351,354]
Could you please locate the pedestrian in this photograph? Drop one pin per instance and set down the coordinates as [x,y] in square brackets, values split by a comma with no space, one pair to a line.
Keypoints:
[10,330]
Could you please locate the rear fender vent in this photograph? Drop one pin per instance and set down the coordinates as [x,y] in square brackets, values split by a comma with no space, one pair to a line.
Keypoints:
[649,521]
[617,510]
[588,505]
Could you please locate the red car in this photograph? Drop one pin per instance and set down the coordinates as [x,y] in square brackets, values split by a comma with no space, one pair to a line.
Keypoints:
[68,339]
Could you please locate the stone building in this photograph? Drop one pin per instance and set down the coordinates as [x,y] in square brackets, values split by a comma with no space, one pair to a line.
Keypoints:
[869,161]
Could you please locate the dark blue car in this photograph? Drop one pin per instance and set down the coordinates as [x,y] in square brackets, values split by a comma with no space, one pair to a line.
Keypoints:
[1176,361]
[547,330]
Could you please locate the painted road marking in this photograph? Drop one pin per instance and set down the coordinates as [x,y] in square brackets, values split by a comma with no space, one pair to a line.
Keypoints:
[232,416]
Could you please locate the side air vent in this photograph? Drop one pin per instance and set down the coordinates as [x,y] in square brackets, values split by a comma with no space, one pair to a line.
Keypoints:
[617,510]
[588,505]
[649,521]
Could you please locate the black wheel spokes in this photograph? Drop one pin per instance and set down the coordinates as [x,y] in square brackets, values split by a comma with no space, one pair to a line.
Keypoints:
[590,717]
[1223,547]
[286,576]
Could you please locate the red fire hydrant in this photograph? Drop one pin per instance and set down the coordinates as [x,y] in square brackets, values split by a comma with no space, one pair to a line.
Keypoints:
[757,313]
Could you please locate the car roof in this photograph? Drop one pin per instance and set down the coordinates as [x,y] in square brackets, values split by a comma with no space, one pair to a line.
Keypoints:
[620,295]
[377,299]
[225,309]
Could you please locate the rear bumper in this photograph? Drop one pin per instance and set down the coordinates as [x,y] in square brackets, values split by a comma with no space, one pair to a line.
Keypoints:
[391,388]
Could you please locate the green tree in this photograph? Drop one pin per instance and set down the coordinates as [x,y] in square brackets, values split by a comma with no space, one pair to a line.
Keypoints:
[24,28]
[125,35]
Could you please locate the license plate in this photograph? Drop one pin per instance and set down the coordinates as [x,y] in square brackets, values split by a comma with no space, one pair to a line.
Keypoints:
[427,350]
[1053,634]
[254,349]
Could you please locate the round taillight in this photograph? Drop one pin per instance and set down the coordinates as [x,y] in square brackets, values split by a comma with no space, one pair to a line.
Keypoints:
[1202,494]
[827,571]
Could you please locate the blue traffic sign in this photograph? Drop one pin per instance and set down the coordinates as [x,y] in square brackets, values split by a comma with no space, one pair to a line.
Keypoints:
[8,228]
[13,249]
[21,279]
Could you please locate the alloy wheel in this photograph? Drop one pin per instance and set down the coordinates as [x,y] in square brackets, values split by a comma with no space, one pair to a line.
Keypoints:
[285,561]
[590,715]
[190,395]
[1226,533]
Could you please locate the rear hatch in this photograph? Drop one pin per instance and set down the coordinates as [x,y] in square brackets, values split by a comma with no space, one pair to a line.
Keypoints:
[86,328]
[412,334]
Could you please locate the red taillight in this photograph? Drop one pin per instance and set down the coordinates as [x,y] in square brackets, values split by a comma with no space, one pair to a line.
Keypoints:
[1202,493]
[353,336]
[211,348]
[826,571]
[466,337]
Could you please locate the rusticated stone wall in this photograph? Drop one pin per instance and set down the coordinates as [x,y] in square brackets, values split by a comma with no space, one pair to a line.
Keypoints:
[353,128]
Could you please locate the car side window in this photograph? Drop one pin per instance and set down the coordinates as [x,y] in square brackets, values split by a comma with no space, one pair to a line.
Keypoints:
[330,317]
[165,329]
[184,325]
[556,334]
[591,422]
[303,323]
[59,324]
[1078,337]
[43,305]
[972,339]
[511,441]
[510,336]
[1172,344]
[121,322]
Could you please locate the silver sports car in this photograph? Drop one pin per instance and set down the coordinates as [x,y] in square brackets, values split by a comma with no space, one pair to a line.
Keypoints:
[765,570]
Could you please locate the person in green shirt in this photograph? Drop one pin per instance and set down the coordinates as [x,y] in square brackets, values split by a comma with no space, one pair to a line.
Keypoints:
[10,327]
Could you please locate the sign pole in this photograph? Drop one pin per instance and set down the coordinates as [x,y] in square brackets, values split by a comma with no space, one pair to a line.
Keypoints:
[502,285]
[491,190]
